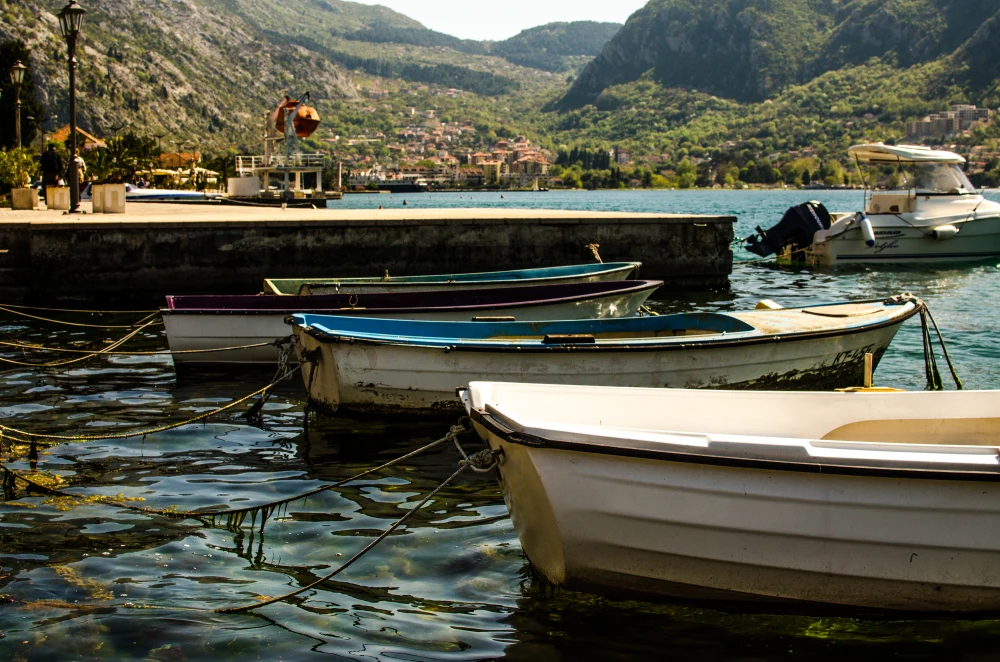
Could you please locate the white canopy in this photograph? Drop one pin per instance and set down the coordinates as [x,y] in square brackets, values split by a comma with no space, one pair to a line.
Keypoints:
[902,154]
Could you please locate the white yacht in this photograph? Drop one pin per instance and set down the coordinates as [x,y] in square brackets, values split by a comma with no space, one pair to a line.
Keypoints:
[918,207]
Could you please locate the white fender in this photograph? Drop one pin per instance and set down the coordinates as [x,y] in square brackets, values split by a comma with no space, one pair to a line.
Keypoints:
[944,232]
[867,231]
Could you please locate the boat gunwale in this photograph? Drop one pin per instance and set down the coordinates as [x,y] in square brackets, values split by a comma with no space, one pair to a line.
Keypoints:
[713,341]
[497,428]
[630,268]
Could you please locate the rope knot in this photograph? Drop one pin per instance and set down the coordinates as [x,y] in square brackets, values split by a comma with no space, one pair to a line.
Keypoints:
[484,461]
[464,425]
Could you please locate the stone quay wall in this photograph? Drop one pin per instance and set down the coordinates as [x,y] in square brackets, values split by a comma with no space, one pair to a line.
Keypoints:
[155,250]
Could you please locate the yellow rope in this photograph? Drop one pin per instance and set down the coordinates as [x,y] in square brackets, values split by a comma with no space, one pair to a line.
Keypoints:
[52,364]
[771,258]
[167,352]
[235,512]
[74,310]
[80,324]
[142,433]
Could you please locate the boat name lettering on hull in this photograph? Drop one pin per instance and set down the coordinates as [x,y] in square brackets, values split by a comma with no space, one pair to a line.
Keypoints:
[854,355]
[886,246]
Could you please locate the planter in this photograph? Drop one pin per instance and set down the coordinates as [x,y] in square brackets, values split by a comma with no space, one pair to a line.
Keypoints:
[97,196]
[24,198]
[114,198]
[57,197]
[244,187]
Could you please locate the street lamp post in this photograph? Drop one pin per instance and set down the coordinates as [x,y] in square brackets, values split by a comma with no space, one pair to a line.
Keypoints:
[17,79]
[70,19]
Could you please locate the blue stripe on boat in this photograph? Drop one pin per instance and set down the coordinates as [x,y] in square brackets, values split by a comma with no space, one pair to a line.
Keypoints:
[429,333]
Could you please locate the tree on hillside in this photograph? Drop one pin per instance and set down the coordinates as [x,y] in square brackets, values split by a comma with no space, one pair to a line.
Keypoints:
[32,111]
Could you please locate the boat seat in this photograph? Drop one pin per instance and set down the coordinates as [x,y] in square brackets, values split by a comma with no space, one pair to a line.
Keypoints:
[945,431]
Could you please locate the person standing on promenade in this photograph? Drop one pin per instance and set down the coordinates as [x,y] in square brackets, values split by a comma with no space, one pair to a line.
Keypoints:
[81,168]
[52,169]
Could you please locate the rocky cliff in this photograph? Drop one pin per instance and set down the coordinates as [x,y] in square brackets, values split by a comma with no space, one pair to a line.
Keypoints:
[168,66]
[748,50]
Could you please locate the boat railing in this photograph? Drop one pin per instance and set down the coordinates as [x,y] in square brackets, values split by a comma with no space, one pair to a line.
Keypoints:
[250,165]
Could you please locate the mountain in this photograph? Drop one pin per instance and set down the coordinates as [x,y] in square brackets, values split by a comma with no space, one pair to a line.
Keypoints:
[211,68]
[750,50]
[553,47]
[557,46]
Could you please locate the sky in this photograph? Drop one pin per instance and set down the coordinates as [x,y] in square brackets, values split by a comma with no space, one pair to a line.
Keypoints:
[485,19]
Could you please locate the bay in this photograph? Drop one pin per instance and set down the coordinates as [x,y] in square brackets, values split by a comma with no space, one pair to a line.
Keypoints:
[94,582]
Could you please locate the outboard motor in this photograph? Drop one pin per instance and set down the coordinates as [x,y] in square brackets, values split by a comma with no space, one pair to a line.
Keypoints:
[796,229]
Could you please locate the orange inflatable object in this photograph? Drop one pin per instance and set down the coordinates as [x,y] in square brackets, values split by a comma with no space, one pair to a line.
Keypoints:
[306,120]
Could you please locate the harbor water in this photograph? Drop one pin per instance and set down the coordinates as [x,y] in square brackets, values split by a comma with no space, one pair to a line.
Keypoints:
[85,581]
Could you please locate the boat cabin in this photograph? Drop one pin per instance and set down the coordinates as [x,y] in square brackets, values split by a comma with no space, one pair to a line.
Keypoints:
[900,176]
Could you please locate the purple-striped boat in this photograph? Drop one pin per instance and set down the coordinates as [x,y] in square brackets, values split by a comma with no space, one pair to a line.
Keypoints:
[204,322]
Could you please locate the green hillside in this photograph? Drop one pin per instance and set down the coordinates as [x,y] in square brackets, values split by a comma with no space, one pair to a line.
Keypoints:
[207,70]
[557,46]
[751,50]
[734,81]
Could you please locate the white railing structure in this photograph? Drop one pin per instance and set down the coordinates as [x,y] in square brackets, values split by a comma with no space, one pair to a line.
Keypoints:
[248,166]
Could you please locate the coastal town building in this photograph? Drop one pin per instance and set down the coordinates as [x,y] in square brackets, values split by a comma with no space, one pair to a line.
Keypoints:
[493,172]
[85,141]
[960,118]
[441,152]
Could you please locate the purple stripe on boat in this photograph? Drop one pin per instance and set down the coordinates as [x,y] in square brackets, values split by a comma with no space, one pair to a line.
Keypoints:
[403,301]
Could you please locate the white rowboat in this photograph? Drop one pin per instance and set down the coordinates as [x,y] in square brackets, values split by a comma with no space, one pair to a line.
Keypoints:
[875,500]
[210,322]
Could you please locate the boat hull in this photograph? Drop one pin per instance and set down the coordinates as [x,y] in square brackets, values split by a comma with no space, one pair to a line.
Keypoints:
[406,378]
[202,330]
[594,520]
[899,243]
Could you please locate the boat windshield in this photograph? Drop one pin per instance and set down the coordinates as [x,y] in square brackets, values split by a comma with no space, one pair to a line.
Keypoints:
[924,178]
[941,179]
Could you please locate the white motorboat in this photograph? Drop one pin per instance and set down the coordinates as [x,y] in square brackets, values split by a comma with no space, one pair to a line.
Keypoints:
[413,367]
[874,500]
[135,194]
[919,207]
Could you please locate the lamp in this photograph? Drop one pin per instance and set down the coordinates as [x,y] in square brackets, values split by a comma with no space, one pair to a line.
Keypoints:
[70,20]
[17,79]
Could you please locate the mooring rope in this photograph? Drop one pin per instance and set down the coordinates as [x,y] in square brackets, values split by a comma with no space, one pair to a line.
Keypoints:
[162,352]
[76,310]
[79,324]
[771,258]
[344,566]
[37,436]
[89,354]
[481,462]
[934,381]
[236,517]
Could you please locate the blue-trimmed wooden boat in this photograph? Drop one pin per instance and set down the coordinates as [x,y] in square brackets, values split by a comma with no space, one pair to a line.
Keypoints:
[381,364]
[578,273]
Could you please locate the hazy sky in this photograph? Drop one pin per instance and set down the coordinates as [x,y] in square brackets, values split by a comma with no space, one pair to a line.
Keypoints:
[486,19]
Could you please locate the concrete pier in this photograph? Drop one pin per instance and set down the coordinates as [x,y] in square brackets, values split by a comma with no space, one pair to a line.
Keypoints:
[158,249]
